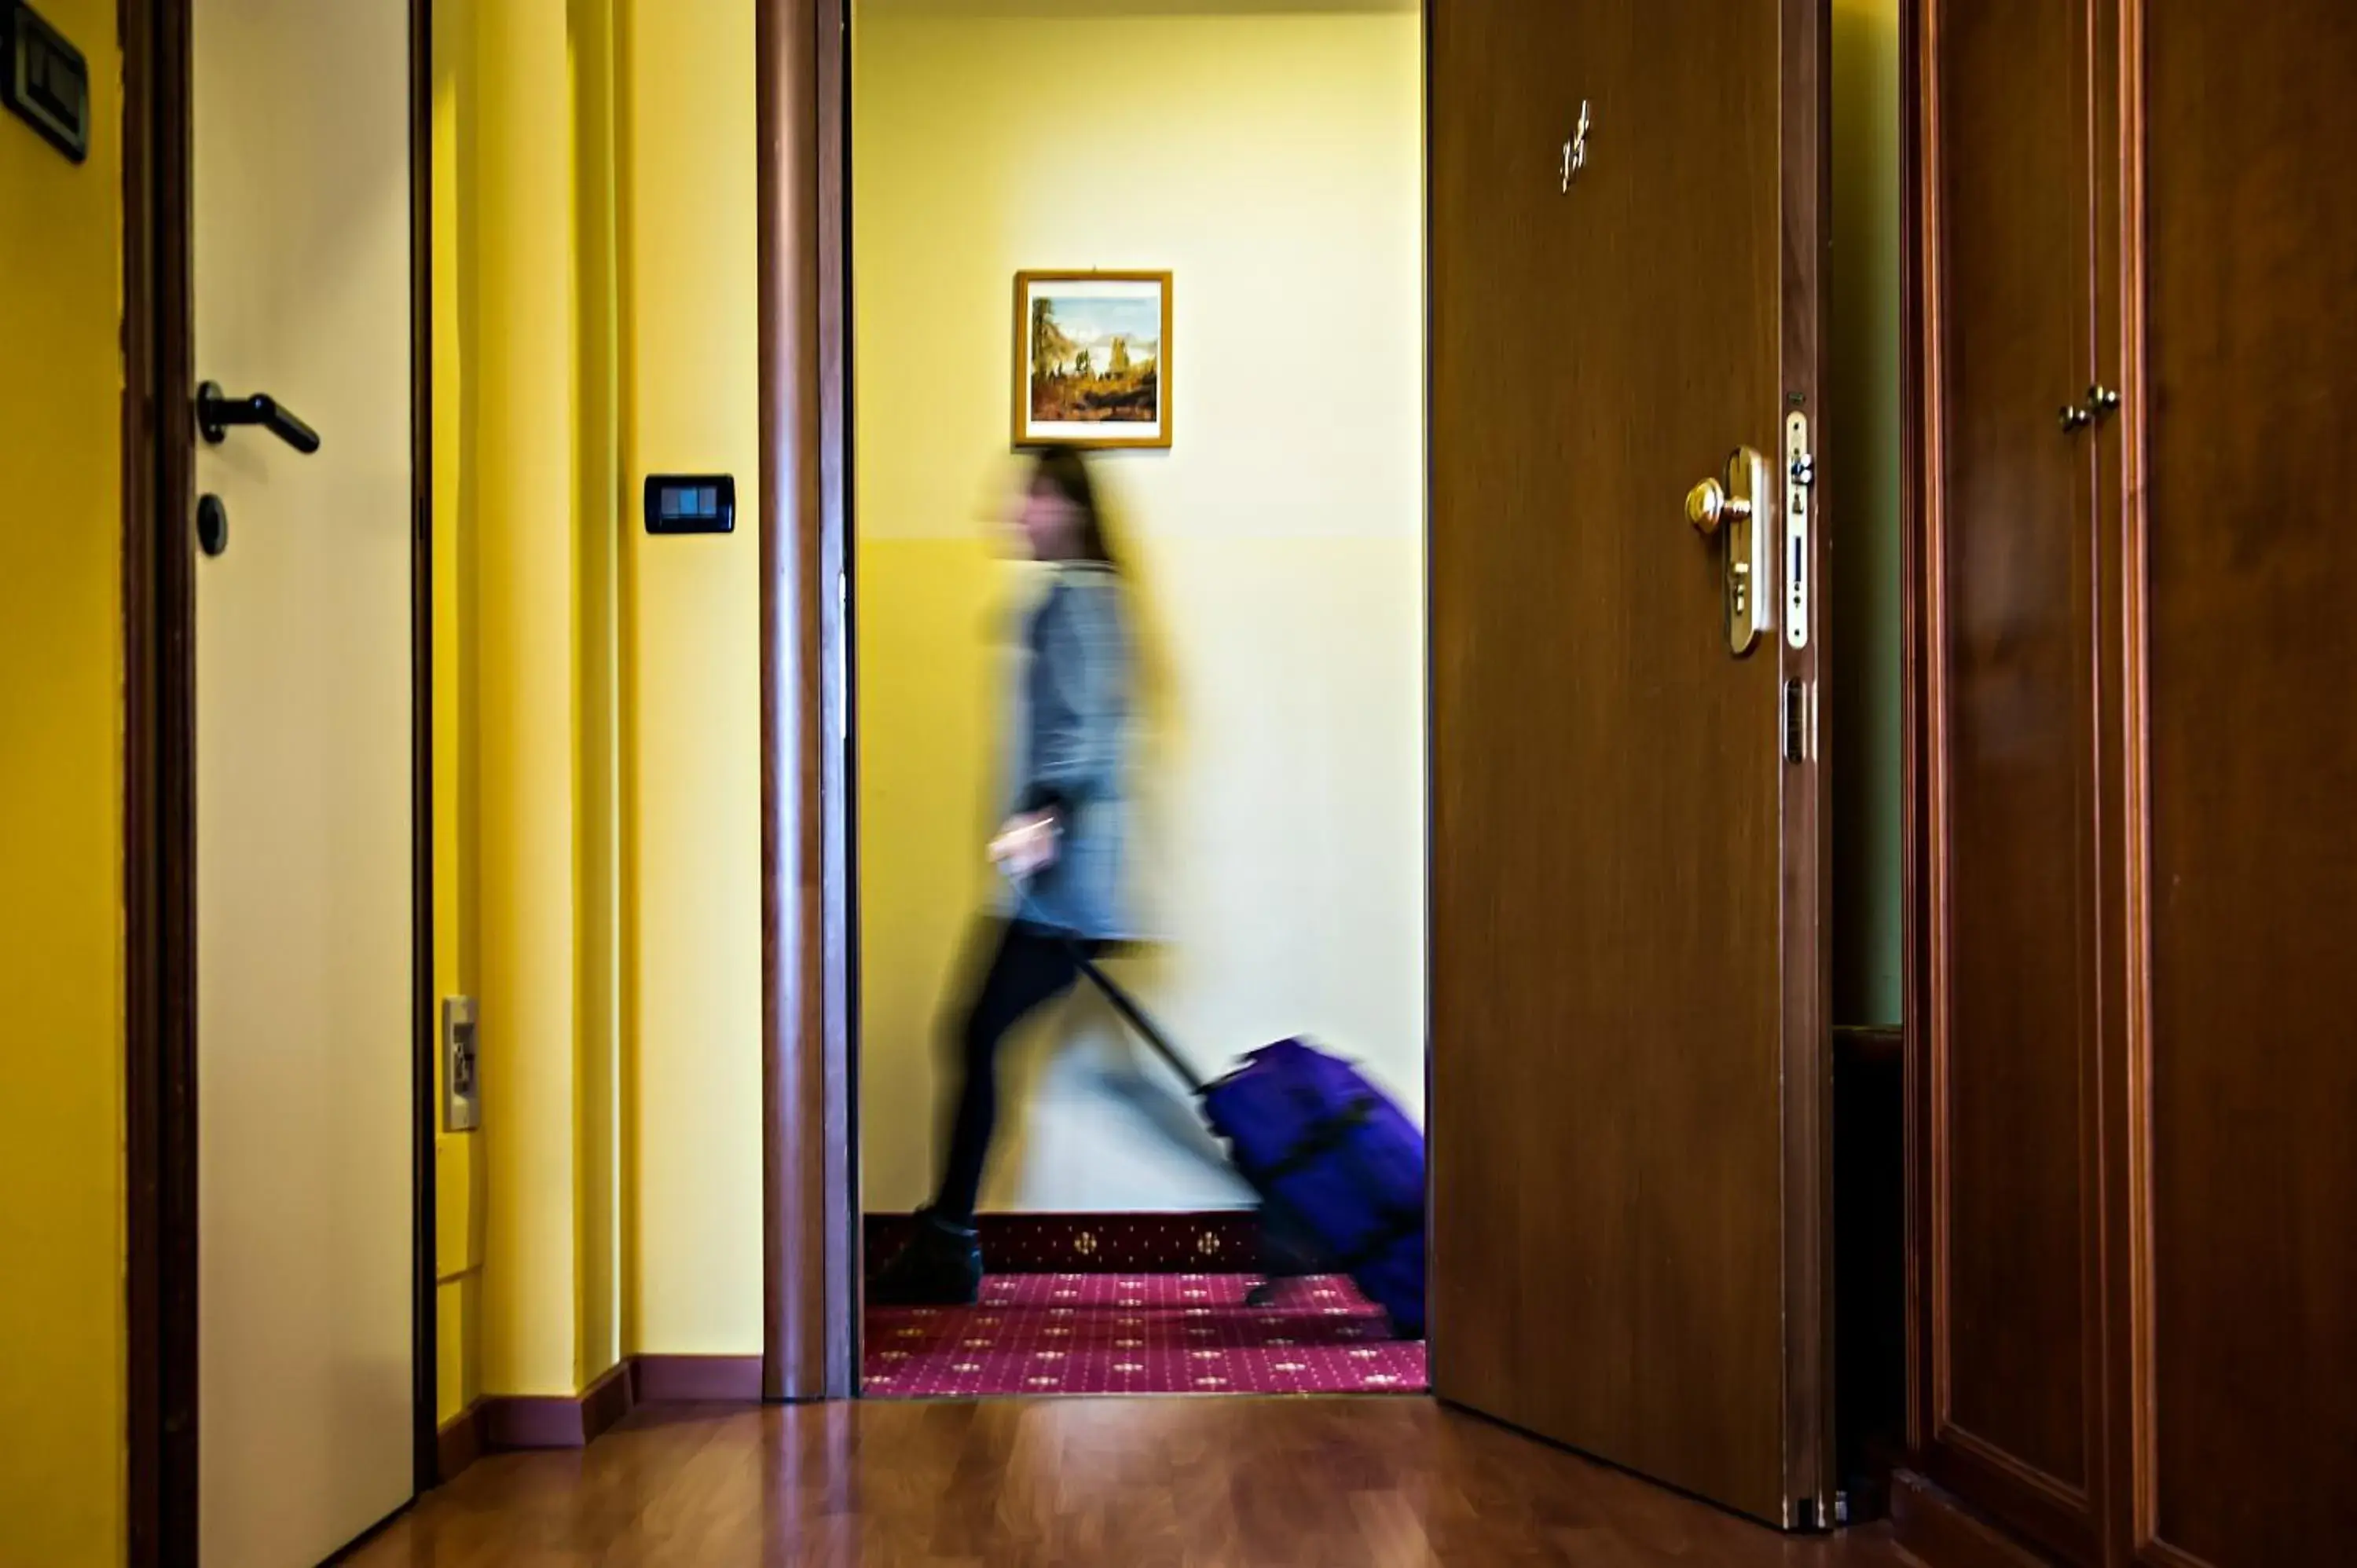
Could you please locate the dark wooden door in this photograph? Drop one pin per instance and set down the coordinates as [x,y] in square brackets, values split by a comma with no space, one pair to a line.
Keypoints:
[2012,1345]
[1627,1049]
[2240,1164]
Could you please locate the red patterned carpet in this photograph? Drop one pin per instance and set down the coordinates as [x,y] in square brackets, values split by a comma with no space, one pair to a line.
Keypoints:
[1138,1334]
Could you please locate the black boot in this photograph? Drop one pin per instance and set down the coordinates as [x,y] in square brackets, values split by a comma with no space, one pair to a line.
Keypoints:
[940,1266]
[1287,1253]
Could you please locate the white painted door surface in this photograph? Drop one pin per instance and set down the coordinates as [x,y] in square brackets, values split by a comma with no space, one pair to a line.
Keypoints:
[301,215]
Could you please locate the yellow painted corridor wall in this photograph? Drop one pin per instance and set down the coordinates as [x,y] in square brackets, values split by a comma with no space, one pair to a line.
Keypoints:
[61,1192]
[596,713]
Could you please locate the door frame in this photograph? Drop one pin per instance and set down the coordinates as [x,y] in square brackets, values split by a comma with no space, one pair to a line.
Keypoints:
[811,1220]
[159,820]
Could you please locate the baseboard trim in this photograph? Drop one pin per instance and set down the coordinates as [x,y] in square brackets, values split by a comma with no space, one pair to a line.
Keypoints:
[1942,1531]
[1218,1242]
[557,1421]
[460,1441]
[512,1423]
[697,1379]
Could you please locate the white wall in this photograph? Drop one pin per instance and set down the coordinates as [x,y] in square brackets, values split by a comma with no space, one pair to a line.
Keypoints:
[1273,163]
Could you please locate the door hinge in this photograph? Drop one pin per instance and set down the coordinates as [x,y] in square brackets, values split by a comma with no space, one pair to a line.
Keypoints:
[1799,721]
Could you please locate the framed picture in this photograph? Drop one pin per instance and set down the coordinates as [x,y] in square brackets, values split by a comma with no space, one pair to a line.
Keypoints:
[1093,359]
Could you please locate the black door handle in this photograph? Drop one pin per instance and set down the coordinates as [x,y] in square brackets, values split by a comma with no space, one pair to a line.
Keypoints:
[216,413]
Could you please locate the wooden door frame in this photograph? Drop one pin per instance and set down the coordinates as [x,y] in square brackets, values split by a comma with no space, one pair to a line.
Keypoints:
[809,931]
[809,1319]
[159,822]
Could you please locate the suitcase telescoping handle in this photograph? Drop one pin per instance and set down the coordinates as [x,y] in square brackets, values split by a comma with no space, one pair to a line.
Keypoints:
[1122,1002]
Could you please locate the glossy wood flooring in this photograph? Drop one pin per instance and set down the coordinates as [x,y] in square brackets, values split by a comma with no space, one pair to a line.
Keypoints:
[1185,1482]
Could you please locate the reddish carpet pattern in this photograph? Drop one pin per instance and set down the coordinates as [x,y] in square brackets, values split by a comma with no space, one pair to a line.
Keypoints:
[1140,1334]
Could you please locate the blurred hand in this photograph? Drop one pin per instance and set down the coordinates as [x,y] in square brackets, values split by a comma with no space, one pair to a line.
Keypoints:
[1025,846]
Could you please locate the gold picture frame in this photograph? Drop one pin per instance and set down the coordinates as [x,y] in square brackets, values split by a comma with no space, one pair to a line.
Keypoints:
[1086,374]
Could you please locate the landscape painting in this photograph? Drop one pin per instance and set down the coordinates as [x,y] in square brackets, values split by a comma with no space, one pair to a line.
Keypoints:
[1093,359]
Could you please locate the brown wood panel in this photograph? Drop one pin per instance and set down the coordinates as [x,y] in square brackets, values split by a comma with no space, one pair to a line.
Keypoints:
[2010,1349]
[2247,1270]
[810,1261]
[424,1366]
[1103,1482]
[159,792]
[1607,983]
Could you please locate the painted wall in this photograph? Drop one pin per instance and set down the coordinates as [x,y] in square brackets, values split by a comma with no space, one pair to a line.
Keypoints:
[691,404]
[1273,162]
[1867,782]
[61,1192]
[597,693]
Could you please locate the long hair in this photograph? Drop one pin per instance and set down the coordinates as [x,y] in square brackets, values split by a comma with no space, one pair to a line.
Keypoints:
[1063,470]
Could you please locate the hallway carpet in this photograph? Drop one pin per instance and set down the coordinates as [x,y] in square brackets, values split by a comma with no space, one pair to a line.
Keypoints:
[1139,1334]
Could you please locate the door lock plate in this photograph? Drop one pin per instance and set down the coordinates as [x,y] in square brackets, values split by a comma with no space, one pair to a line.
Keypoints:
[462,1102]
[1734,509]
[1799,485]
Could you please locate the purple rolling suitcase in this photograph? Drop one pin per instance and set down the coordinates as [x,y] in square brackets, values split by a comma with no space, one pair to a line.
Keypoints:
[1334,1161]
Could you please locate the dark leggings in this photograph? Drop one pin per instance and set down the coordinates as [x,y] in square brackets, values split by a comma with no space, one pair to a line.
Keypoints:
[1029,969]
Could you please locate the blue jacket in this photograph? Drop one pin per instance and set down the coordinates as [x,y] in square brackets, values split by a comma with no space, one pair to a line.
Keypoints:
[1072,745]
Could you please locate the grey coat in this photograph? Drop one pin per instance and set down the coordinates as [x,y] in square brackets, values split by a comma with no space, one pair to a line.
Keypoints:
[1072,746]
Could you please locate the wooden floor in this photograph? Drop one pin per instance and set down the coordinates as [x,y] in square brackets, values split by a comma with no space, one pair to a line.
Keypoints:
[1206,1483]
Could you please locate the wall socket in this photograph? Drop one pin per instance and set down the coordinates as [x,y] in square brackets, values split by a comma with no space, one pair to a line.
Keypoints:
[462,1103]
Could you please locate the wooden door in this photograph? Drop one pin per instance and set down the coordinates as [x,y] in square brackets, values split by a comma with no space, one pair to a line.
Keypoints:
[1628,1056]
[2010,1369]
[2238,1230]
[300,235]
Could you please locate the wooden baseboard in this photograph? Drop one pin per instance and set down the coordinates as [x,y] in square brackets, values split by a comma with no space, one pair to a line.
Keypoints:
[461,1441]
[1941,1531]
[557,1421]
[697,1379]
[502,1424]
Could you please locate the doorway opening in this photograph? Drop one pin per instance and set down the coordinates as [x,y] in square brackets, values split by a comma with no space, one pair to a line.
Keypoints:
[1253,179]
[1628,947]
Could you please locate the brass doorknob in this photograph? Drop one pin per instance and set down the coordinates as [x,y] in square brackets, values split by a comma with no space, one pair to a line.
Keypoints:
[1708,505]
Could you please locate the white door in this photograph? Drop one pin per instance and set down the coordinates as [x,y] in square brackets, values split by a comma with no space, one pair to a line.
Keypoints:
[301,213]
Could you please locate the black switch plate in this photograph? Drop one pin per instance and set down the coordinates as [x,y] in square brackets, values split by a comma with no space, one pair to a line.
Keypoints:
[691,503]
[44,80]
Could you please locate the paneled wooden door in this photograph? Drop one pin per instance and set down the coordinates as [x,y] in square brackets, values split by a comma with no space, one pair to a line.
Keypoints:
[1629,1134]
[2010,1365]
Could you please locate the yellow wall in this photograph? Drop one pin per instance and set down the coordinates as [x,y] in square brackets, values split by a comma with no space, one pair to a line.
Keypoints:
[62,1217]
[691,404]
[458,956]
[1273,162]
[597,720]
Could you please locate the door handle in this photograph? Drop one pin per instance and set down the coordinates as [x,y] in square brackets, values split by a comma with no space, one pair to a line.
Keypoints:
[1731,509]
[216,411]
